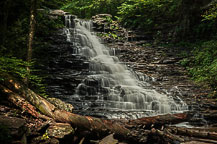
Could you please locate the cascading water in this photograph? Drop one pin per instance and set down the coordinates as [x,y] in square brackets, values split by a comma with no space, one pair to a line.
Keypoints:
[111,89]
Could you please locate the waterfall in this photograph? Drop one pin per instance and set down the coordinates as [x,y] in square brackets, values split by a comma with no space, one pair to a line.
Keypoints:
[111,89]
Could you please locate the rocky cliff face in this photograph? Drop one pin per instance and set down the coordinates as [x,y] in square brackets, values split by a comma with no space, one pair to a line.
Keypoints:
[65,70]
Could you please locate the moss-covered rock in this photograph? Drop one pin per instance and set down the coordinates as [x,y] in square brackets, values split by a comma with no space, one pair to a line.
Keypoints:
[61,105]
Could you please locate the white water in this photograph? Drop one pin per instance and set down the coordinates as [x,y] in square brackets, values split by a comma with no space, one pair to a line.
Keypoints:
[124,92]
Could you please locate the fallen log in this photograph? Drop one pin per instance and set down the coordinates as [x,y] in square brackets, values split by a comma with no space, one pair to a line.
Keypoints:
[167,135]
[170,136]
[158,121]
[191,132]
[206,141]
[21,103]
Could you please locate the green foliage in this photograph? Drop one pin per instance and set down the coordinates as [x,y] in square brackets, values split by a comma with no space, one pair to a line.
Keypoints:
[184,62]
[17,68]
[211,13]
[88,8]
[46,25]
[45,136]
[108,35]
[14,66]
[206,28]
[112,29]
[146,14]
[203,64]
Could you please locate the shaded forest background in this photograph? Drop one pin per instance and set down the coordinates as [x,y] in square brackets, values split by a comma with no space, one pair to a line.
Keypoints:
[188,24]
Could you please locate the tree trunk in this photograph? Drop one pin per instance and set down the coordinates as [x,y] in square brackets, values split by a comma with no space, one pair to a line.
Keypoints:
[31,35]
[189,15]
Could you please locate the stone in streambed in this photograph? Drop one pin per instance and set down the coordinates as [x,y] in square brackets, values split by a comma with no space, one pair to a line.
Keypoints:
[60,130]
[16,128]
[57,12]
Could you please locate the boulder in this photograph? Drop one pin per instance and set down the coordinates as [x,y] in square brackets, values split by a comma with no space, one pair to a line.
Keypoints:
[13,129]
[59,130]
[57,12]
[101,15]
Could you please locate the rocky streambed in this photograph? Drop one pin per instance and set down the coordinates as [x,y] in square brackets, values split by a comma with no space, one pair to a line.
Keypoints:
[161,67]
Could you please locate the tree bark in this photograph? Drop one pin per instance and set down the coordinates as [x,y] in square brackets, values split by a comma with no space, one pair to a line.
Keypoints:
[31,35]
[21,103]
[189,15]
[193,132]
[167,135]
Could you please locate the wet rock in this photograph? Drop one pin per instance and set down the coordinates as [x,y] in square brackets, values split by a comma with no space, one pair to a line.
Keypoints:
[61,105]
[16,128]
[64,67]
[60,131]
[170,60]
[57,12]
[102,15]
[210,116]
[198,122]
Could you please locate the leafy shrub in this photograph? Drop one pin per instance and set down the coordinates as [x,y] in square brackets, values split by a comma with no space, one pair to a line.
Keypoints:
[146,14]
[203,66]
[211,13]
[13,66]
[207,28]
[88,8]
[17,68]
[45,25]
